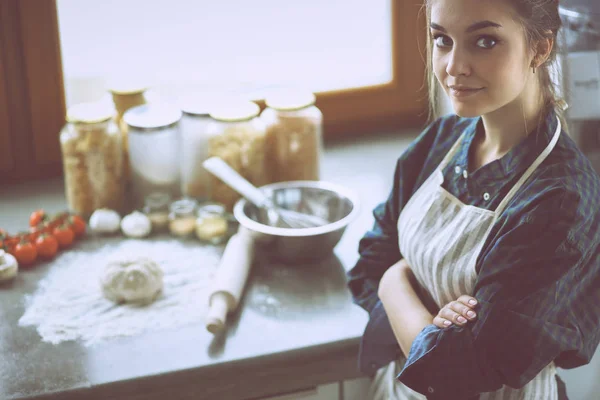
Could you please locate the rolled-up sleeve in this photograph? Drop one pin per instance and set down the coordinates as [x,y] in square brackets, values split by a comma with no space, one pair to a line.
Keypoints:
[534,278]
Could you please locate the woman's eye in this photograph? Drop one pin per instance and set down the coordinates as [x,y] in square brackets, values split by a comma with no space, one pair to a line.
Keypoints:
[442,41]
[487,42]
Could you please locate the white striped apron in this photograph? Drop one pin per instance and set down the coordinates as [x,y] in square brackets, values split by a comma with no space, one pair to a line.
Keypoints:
[441,238]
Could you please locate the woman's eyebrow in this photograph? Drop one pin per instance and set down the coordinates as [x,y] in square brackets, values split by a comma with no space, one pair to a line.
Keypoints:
[475,27]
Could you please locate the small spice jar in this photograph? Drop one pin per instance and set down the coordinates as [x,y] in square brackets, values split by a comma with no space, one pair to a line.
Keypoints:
[182,218]
[294,130]
[237,136]
[92,159]
[212,224]
[156,208]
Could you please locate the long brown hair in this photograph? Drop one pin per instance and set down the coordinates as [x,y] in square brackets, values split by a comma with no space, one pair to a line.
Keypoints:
[540,20]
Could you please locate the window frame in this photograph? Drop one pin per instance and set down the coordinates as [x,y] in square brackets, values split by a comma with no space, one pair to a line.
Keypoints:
[32,97]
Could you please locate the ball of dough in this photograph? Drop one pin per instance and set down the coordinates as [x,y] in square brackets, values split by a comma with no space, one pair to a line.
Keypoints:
[137,280]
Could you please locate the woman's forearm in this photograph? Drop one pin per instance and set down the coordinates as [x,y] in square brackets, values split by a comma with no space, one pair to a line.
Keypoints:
[406,313]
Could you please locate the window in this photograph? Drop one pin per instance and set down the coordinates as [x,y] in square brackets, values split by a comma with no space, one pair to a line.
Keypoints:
[361,58]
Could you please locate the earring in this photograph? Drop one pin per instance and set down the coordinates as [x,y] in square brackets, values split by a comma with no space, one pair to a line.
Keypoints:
[534,69]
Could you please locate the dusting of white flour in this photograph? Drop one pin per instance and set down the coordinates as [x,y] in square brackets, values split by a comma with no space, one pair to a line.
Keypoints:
[68,303]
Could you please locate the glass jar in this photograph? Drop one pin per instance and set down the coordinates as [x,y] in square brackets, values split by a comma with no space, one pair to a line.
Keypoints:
[294,136]
[182,218]
[156,208]
[237,136]
[154,150]
[194,148]
[125,97]
[92,159]
[212,224]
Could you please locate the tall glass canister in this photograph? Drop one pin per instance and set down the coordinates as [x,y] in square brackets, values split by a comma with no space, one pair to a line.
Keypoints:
[195,180]
[92,159]
[154,150]
[294,136]
[237,136]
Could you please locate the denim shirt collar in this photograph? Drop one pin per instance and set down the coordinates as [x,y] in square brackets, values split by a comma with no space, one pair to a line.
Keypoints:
[519,158]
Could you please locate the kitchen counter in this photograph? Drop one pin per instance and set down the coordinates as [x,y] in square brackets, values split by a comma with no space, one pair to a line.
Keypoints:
[261,354]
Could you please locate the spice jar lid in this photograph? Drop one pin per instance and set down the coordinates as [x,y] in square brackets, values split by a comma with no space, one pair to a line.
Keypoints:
[89,113]
[287,100]
[152,116]
[235,111]
[198,105]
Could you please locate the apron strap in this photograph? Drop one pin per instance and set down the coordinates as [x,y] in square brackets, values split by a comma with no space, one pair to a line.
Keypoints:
[530,170]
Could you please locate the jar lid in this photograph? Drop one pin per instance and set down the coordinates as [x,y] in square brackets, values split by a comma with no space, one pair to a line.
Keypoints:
[157,199]
[286,100]
[235,111]
[127,86]
[89,113]
[152,116]
[199,105]
[183,206]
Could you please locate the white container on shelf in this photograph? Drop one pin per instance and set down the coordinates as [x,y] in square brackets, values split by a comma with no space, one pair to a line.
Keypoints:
[154,150]
[584,85]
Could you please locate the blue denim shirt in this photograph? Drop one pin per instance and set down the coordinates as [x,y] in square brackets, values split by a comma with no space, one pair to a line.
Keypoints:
[538,282]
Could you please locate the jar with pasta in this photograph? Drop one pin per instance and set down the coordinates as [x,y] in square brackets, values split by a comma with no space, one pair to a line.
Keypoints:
[92,159]
[154,150]
[237,135]
[294,136]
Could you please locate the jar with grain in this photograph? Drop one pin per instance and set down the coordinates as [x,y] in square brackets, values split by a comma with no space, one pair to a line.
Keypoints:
[156,208]
[237,136]
[92,156]
[194,147]
[182,218]
[294,136]
[212,224]
[154,150]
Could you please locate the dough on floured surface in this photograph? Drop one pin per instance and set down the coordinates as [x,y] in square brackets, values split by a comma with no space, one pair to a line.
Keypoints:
[136,280]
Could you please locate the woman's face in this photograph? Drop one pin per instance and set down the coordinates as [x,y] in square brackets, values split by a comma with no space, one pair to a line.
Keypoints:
[480,54]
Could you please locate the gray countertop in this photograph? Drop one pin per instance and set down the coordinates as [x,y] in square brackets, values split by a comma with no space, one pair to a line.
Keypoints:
[262,353]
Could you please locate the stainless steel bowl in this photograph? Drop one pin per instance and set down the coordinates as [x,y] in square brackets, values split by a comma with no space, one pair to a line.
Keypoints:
[331,202]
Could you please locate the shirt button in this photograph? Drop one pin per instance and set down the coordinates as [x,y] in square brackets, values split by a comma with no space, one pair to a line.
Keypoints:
[457,169]
[430,389]
[465,174]
[486,196]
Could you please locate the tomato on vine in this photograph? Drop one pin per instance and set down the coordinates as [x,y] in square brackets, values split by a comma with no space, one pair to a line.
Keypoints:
[46,246]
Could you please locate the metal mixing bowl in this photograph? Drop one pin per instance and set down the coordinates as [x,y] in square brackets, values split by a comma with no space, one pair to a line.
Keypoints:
[331,202]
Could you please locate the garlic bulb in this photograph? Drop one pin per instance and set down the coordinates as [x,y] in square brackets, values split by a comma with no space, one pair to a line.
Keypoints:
[105,221]
[132,280]
[8,266]
[136,225]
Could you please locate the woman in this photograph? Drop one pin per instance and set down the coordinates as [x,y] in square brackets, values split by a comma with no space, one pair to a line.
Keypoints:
[482,270]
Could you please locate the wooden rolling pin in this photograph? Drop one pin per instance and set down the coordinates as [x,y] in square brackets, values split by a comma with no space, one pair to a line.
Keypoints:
[230,279]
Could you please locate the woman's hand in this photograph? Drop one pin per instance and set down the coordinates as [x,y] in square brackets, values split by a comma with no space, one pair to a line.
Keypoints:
[457,312]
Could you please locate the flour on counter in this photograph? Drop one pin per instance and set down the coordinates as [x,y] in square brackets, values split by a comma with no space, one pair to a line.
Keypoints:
[69,305]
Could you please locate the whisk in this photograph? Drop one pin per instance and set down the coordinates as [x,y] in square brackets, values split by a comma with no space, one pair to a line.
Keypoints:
[271,215]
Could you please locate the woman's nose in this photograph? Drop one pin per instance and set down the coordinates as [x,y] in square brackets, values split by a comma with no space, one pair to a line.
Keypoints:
[458,63]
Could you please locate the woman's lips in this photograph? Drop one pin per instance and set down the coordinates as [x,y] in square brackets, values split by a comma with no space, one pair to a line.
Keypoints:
[463,92]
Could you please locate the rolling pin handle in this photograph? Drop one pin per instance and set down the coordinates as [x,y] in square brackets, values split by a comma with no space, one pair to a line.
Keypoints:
[217,312]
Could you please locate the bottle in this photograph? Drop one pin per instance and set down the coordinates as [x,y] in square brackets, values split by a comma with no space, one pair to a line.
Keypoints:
[92,156]
[237,136]
[156,208]
[212,223]
[182,218]
[294,136]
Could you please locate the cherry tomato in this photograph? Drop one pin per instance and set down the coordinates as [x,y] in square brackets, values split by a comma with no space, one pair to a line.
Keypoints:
[46,246]
[25,253]
[64,235]
[37,217]
[77,225]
